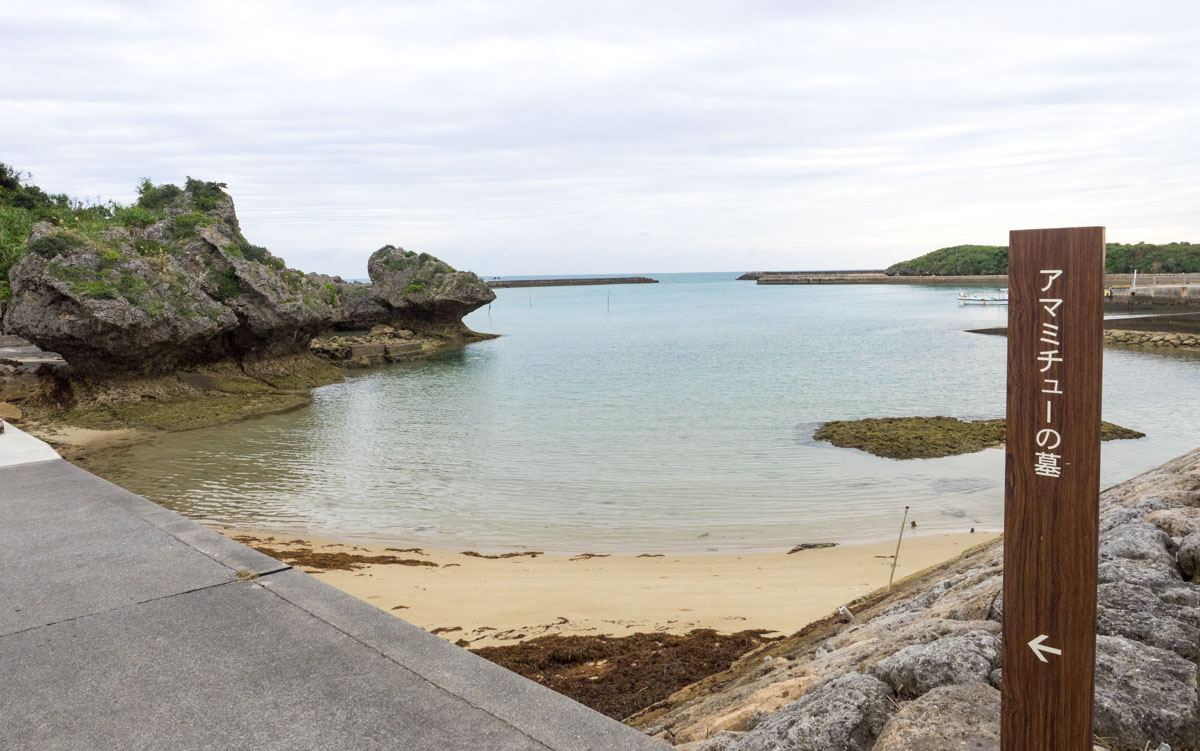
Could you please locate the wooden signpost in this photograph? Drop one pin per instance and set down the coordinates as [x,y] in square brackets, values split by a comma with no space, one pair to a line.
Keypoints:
[1051,488]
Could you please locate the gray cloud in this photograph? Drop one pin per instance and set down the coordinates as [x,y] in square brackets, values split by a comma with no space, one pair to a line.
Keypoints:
[539,137]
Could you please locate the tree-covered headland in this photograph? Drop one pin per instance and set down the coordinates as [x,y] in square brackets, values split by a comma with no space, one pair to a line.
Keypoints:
[1119,258]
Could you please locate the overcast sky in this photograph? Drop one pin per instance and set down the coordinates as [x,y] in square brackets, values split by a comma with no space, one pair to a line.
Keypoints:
[554,137]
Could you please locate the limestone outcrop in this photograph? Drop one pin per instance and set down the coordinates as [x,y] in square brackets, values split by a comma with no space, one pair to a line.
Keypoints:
[173,283]
[422,291]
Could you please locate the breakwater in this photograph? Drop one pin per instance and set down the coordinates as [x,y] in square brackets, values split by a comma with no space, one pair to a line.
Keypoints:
[504,283]
[876,277]
[1152,338]
[1175,329]
[1148,285]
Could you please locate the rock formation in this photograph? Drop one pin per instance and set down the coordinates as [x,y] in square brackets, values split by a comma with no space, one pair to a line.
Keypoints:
[919,669]
[174,284]
[422,291]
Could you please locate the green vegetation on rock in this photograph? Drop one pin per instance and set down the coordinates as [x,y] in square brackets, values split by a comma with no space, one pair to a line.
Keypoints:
[960,260]
[929,437]
[22,205]
[1120,258]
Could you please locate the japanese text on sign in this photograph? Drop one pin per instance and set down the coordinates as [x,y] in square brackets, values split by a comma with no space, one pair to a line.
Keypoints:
[1048,438]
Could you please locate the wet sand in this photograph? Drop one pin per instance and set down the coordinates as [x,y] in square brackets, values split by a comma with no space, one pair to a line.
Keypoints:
[501,601]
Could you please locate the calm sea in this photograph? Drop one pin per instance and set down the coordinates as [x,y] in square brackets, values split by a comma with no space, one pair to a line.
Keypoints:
[648,418]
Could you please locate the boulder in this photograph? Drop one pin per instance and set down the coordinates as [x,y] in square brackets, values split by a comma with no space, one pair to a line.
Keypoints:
[1142,544]
[843,715]
[422,291]
[1188,556]
[914,670]
[964,716]
[10,412]
[1176,522]
[1145,695]
[1134,611]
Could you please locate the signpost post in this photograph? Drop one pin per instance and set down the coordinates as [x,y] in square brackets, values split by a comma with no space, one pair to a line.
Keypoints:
[1052,486]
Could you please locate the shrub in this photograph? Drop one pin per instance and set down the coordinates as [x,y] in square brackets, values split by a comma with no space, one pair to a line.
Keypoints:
[130,287]
[95,290]
[52,245]
[109,258]
[14,228]
[133,216]
[205,195]
[5,291]
[148,247]
[414,288]
[261,255]
[227,284]
[184,227]
[154,197]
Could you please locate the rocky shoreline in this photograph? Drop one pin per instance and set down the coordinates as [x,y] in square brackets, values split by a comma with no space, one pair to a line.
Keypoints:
[163,316]
[919,668]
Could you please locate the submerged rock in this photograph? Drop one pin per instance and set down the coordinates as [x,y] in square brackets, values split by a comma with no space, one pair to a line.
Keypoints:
[929,437]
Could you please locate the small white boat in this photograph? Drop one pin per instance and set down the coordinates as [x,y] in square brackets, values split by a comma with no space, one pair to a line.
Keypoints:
[999,297]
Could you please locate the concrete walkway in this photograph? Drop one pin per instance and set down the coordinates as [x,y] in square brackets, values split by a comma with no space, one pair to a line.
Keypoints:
[18,447]
[126,626]
[24,356]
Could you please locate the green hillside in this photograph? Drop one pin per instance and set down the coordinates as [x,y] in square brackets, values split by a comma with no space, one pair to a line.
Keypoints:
[1120,258]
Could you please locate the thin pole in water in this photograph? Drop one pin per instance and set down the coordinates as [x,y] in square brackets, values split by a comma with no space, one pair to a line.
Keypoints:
[896,557]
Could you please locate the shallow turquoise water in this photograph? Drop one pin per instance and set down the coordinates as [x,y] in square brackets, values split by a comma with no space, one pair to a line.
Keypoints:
[666,417]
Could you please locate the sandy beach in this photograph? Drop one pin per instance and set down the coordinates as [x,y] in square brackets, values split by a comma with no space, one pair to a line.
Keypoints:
[500,601]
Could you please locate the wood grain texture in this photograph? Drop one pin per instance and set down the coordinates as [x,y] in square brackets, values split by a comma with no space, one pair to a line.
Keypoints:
[1051,524]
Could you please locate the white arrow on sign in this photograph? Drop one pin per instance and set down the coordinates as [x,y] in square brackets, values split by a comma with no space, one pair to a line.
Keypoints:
[1040,650]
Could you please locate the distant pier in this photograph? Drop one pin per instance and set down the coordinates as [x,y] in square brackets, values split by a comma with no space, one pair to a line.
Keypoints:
[503,283]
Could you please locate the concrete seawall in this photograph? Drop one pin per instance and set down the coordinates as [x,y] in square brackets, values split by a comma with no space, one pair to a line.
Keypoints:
[506,283]
[1163,285]
[127,626]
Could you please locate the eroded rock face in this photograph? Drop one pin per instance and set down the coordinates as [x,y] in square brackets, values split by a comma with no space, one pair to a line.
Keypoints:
[181,286]
[1144,695]
[103,305]
[915,670]
[964,716]
[847,713]
[423,292]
